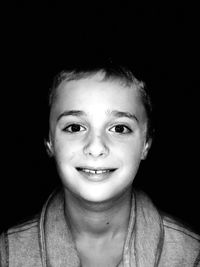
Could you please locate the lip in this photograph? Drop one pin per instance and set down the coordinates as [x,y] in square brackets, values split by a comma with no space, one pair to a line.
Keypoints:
[96,177]
[95,168]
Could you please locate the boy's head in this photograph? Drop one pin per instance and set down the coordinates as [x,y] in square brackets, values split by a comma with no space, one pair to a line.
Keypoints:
[109,72]
[100,130]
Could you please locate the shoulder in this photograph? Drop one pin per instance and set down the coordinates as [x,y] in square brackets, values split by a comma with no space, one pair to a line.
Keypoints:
[178,245]
[24,227]
[21,243]
[23,233]
[178,228]
[180,241]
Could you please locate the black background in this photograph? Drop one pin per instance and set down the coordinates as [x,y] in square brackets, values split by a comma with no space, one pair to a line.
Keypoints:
[159,41]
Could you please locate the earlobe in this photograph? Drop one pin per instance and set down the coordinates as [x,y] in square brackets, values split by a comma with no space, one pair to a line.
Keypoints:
[146,148]
[49,148]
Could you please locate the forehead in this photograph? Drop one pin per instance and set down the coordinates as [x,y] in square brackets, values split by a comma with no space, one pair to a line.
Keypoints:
[93,86]
[94,93]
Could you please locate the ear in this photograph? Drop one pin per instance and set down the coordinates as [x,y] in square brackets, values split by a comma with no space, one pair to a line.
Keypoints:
[49,147]
[147,146]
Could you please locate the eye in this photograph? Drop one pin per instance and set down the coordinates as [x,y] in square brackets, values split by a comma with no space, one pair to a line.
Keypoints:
[74,128]
[121,129]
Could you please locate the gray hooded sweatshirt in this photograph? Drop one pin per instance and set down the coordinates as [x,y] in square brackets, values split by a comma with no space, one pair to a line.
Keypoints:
[152,239]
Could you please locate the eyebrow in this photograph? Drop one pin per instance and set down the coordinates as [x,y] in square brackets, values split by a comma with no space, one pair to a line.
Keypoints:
[121,114]
[115,113]
[77,113]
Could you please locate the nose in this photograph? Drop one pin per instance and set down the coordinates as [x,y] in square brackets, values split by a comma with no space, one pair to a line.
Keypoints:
[96,147]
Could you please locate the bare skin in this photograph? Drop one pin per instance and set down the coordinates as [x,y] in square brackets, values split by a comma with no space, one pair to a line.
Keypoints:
[99,230]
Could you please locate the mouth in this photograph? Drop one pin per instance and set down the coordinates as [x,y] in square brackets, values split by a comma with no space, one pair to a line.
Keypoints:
[98,174]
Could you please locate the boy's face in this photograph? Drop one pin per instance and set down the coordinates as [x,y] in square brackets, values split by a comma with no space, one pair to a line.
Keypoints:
[98,126]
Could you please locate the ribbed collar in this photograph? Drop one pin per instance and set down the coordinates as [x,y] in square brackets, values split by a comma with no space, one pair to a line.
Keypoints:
[143,243]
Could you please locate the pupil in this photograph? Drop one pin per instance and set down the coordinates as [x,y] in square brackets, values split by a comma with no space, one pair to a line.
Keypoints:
[75,128]
[119,128]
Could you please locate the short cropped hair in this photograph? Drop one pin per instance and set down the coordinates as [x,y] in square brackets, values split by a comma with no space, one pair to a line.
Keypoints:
[112,72]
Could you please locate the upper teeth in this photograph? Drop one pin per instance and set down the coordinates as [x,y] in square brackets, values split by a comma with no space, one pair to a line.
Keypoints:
[95,171]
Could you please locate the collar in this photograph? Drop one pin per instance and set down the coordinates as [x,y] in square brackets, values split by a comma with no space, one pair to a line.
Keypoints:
[144,241]
[143,244]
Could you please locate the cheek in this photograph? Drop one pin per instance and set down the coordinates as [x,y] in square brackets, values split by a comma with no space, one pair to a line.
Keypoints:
[131,151]
[66,151]
[131,161]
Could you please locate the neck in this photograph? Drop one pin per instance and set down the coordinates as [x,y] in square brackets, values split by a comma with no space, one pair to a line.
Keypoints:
[97,220]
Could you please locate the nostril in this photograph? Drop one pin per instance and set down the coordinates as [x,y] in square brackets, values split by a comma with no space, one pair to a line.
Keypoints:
[96,147]
[96,151]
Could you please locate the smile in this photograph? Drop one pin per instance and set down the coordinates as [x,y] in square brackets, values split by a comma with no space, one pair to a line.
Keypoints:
[96,174]
[97,171]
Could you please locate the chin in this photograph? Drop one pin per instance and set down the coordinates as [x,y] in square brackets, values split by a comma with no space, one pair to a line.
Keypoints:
[103,196]
[95,198]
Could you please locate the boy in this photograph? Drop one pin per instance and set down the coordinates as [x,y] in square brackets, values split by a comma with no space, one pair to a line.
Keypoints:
[99,131]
